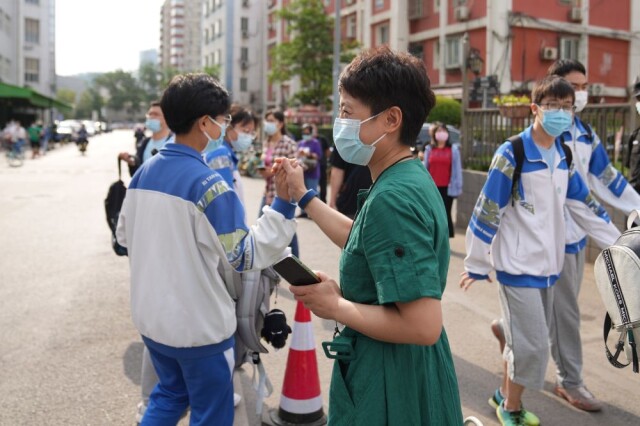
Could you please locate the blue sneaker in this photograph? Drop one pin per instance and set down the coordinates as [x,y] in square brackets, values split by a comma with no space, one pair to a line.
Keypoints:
[510,418]
[529,418]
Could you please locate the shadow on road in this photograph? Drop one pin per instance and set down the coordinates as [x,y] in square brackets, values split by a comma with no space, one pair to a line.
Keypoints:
[132,362]
[477,385]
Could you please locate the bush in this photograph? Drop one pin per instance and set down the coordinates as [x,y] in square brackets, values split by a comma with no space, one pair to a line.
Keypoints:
[446,110]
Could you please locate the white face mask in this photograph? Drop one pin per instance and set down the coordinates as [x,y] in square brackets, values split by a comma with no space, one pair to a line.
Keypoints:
[582,97]
[638,107]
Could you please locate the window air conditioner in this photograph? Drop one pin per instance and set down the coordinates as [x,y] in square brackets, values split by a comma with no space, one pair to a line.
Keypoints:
[549,53]
[596,89]
[244,65]
[461,13]
[575,14]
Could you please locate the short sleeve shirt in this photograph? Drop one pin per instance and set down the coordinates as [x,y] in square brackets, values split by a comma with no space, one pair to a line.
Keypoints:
[398,251]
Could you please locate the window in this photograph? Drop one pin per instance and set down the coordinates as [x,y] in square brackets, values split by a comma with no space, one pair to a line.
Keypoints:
[219,28]
[244,26]
[31,70]
[569,48]
[351,26]
[206,35]
[218,57]
[383,34]
[36,2]
[244,54]
[458,3]
[436,6]
[243,84]
[32,30]
[453,53]
[436,54]
[415,9]
[417,50]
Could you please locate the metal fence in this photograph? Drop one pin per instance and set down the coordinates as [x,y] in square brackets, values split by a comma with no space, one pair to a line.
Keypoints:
[487,129]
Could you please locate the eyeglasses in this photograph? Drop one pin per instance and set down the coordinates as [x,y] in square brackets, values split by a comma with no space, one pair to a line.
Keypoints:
[555,106]
[227,120]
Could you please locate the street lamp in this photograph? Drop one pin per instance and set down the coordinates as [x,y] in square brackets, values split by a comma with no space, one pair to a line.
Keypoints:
[475,61]
[471,60]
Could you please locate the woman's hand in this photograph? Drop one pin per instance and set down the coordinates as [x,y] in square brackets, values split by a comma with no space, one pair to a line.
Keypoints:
[282,185]
[322,299]
[293,175]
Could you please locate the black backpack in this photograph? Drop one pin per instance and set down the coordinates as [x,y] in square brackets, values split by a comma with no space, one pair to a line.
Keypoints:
[112,206]
[518,154]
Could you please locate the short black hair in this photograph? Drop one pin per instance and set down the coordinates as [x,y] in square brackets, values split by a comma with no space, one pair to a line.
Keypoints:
[191,96]
[381,79]
[552,85]
[241,115]
[562,67]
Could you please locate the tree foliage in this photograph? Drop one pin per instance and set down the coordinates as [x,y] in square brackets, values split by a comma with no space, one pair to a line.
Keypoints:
[446,110]
[90,100]
[67,96]
[309,52]
[124,91]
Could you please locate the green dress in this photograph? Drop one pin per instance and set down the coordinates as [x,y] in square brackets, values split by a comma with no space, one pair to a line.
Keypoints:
[398,251]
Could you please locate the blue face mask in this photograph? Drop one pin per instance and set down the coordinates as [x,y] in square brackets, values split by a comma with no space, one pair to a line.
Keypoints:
[153,124]
[270,128]
[555,122]
[214,144]
[346,136]
[243,142]
[306,137]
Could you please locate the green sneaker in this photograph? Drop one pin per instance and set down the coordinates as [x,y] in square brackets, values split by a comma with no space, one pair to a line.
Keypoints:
[529,418]
[510,418]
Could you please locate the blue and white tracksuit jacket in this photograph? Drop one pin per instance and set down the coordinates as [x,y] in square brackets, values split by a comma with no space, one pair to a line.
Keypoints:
[224,161]
[591,161]
[524,240]
[178,220]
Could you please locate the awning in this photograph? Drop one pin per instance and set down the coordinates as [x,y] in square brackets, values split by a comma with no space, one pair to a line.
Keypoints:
[448,92]
[35,99]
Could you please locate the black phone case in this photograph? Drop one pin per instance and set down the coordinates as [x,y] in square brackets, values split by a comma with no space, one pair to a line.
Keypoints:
[295,272]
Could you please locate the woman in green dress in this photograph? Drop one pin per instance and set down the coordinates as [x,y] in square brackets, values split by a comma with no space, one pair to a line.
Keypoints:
[394,365]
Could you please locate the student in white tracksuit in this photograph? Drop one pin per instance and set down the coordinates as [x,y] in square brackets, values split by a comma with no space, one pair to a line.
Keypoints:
[609,185]
[178,221]
[522,237]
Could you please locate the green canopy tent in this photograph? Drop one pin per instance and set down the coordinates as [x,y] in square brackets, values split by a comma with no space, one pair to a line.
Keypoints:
[16,101]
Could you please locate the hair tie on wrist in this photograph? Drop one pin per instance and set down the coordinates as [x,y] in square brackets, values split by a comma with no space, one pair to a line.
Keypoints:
[306,198]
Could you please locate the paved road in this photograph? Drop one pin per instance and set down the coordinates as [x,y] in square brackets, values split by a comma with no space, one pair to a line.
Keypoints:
[69,354]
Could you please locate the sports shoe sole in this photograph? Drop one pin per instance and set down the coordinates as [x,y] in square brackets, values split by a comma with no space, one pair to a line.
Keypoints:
[577,403]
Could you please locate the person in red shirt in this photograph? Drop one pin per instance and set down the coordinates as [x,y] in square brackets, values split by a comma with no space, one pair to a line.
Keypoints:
[442,160]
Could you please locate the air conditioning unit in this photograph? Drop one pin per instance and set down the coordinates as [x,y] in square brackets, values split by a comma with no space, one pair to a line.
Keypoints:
[245,3]
[350,2]
[245,34]
[549,53]
[461,13]
[244,64]
[575,14]
[596,89]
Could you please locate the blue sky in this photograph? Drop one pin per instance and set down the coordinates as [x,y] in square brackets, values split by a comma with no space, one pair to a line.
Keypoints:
[101,36]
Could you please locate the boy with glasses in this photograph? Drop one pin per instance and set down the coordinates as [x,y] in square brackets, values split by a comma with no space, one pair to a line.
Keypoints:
[519,229]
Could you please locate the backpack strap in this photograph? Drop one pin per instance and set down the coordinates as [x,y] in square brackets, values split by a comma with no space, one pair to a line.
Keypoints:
[624,316]
[568,154]
[517,145]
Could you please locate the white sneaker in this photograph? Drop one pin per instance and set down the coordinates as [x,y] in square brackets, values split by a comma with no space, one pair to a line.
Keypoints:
[140,413]
[236,399]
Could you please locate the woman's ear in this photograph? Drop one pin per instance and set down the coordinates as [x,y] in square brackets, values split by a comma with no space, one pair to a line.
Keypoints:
[393,119]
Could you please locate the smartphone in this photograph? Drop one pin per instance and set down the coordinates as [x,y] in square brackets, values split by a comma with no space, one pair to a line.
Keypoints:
[295,272]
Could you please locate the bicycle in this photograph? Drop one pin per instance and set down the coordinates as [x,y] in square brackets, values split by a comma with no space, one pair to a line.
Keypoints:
[15,153]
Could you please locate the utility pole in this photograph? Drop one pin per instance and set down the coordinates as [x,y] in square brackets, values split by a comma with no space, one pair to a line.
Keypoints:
[465,95]
[337,33]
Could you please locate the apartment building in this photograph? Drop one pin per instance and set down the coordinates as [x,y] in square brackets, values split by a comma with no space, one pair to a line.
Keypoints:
[515,41]
[180,35]
[232,41]
[27,44]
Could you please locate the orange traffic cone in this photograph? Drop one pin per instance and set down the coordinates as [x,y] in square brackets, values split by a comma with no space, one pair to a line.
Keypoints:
[301,400]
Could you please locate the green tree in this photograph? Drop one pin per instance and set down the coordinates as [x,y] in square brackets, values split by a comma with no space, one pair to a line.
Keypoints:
[149,79]
[125,93]
[90,100]
[67,96]
[309,52]
[446,110]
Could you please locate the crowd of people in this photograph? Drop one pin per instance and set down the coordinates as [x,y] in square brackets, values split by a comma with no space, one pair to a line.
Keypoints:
[15,137]
[184,213]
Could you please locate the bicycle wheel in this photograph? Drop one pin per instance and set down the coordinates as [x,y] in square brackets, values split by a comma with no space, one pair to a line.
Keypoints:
[15,159]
